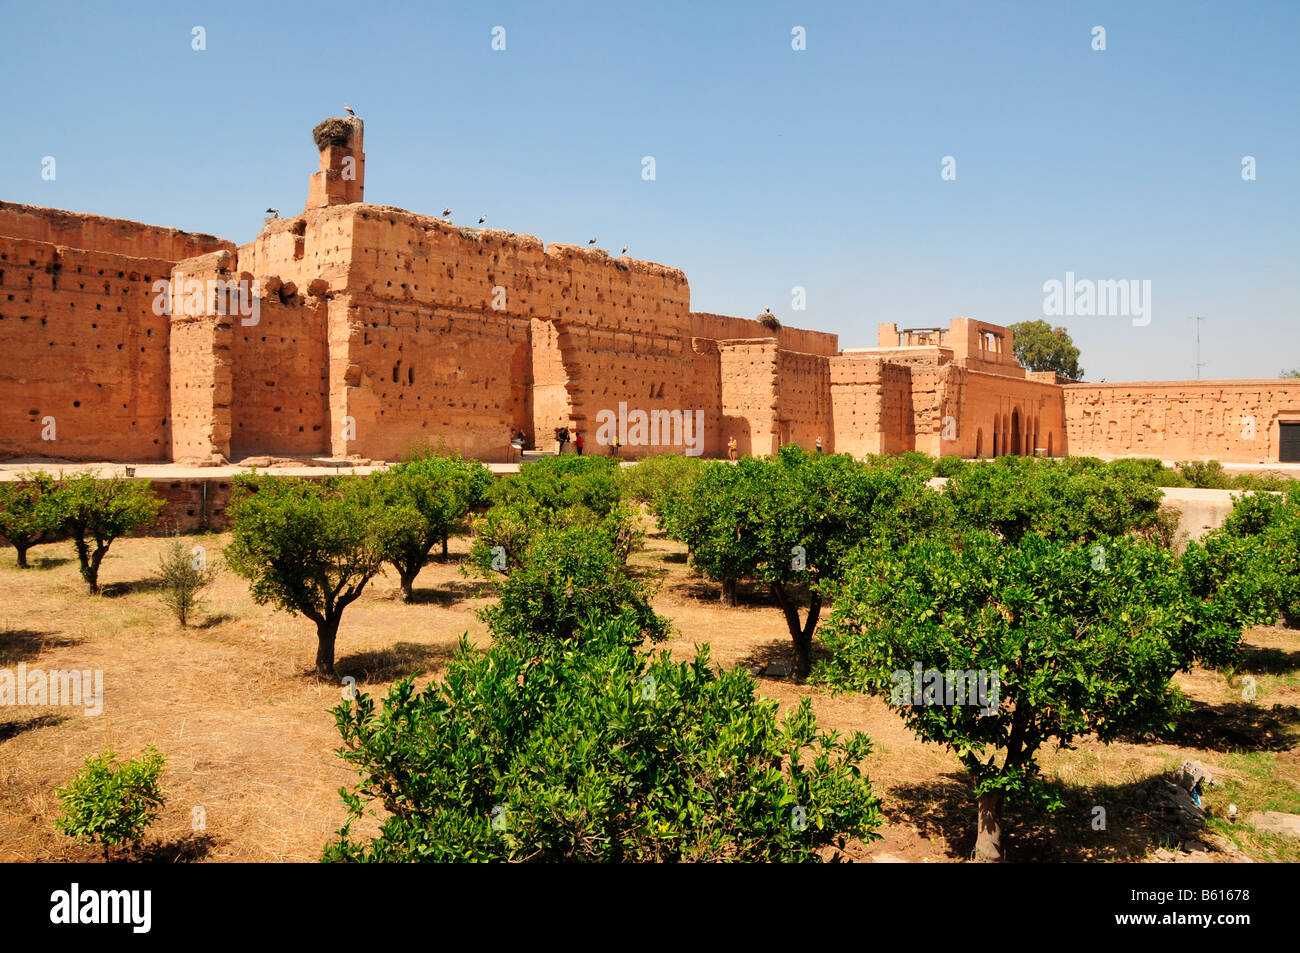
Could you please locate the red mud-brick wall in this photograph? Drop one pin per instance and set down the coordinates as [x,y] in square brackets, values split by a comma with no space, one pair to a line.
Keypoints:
[803,398]
[705,392]
[722,327]
[991,403]
[872,406]
[280,380]
[81,344]
[1233,421]
[96,233]
[460,302]
[749,395]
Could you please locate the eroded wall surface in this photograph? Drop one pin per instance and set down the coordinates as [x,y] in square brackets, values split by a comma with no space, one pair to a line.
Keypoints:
[1234,421]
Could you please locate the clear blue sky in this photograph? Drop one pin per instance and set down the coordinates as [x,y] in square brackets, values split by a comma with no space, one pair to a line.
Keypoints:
[775,168]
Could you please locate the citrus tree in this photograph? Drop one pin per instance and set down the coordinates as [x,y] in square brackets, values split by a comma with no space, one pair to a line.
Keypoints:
[1054,642]
[598,753]
[309,547]
[27,514]
[95,512]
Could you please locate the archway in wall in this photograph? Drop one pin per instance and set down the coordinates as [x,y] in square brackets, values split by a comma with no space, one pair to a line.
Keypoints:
[1016,448]
[995,439]
[979,443]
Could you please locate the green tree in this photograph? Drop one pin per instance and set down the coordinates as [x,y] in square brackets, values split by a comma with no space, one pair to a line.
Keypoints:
[1294,372]
[602,753]
[571,571]
[434,494]
[95,512]
[1041,347]
[308,547]
[112,803]
[28,516]
[789,522]
[1072,499]
[1059,639]
[555,483]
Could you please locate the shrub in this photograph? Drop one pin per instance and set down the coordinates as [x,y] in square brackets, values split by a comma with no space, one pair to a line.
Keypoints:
[603,753]
[569,573]
[1075,499]
[1204,474]
[555,483]
[184,574]
[660,480]
[109,803]
[28,515]
[95,512]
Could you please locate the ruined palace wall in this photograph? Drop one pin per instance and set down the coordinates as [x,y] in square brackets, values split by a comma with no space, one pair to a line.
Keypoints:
[81,344]
[749,395]
[1181,420]
[803,399]
[705,393]
[987,404]
[280,380]
[113,236]
[871,406]
[460,302]
[722,327]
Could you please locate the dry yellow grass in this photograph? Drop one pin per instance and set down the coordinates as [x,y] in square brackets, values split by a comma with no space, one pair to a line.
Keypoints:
[249,739]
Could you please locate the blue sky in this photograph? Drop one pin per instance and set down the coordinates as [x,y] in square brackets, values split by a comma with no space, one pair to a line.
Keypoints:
[775,168]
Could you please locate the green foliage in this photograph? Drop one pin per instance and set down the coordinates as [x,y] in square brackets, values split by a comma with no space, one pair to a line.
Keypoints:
[1250,566]
[660,481]
[1083,639]
[112,803]
[571,571]
[28,512]
[601,753]
[790,521]
[1041,347]
[183,575]
[95,512]
[554,483]
[309,546]
[427,500]
[1072,499]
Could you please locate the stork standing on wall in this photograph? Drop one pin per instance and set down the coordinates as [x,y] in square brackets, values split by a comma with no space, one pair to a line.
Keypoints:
[446,213]
[591,241]
[274,212]
[348,109]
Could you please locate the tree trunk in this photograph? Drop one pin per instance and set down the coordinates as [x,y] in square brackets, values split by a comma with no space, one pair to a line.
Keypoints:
[407,580]
[800,635]
[988,842]
[728,597]
[22,554]
[326,631]
[444,547]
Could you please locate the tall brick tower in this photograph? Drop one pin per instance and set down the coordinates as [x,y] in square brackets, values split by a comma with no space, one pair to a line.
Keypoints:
[341,178]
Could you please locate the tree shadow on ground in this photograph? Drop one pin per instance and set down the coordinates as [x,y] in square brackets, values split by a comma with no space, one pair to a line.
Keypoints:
[1261,661]
[946,808]
[1233,726]
[49,562]
[12,729]
[680,558]
[394,662]
[22,645]
[214,620]
[180,850]
[748,595]
[115,590]
[451,593]
[775,658]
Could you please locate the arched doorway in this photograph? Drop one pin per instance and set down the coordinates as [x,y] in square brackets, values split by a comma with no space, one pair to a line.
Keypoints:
[979,443]
[1016,448]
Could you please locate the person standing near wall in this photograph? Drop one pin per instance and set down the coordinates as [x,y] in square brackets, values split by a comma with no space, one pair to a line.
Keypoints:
[731,448]
[577,443]
[819,443]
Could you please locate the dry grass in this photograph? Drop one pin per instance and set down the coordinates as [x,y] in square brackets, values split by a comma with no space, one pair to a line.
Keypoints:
[246,729]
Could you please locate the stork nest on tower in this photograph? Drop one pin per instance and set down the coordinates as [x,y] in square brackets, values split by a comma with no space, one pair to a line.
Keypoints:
[332,132]
[768,320]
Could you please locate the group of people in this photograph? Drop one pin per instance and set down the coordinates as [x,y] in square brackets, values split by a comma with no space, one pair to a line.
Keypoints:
[563,437]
